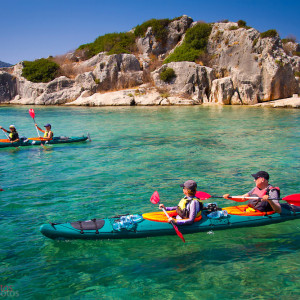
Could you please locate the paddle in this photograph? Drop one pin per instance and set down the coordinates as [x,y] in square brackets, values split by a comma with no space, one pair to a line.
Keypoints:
[291,199]
[155,200]
[32,115]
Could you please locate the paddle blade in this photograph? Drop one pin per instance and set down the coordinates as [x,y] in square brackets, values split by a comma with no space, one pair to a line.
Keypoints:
[293,199]
[32,113]
[155,198]
[178,232]
[202,195]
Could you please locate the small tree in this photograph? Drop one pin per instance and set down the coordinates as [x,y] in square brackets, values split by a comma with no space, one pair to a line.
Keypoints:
[40,70]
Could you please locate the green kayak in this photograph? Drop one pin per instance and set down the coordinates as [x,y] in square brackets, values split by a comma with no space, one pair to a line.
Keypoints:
[155,224]
[38,141]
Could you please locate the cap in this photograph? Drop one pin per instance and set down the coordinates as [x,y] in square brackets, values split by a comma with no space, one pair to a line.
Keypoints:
[190,185]
[262,174]
[12,126]
[47,125]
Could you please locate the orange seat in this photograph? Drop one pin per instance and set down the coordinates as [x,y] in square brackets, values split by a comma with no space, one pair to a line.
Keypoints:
[245,210]
[159,216]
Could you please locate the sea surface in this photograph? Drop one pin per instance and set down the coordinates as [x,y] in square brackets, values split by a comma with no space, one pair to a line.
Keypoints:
[134,152]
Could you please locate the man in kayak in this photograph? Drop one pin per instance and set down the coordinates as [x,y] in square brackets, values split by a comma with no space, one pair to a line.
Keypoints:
[48,134]
[189,207]
[268,194]
[13,134]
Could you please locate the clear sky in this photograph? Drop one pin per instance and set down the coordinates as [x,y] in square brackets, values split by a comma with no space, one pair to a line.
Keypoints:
[32,29]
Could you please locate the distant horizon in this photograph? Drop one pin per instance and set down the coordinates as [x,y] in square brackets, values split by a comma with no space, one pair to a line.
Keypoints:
[40,29]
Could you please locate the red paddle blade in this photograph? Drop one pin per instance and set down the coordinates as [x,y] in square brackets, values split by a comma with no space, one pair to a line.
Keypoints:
[1,190]
[293,199]
[202,195]
[32,113]
[155,198]
[178,232]
[238,199]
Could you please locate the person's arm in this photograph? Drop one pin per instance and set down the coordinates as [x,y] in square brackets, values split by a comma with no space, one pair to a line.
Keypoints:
[227,196]
[39,128]
[3,129]
[273,194]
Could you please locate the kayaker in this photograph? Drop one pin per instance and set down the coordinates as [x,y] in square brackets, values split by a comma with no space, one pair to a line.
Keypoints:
[189,207]
[13,134]
[48,134]
[265,191]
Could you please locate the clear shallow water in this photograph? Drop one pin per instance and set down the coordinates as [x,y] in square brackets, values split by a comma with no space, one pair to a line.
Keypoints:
[134,152]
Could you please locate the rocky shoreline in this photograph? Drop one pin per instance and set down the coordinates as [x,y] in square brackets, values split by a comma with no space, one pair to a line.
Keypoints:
[243,69]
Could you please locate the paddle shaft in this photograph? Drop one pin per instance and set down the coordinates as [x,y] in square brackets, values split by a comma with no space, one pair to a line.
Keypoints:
[38,132]
[5,133]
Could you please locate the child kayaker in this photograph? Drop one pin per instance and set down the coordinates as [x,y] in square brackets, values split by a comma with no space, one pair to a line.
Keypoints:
[48,134]
[265,191]
[13,134]
[189,207]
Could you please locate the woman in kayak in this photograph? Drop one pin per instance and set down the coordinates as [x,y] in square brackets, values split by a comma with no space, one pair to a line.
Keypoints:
[268,194]
[48,134]
[189,207]
[13,134]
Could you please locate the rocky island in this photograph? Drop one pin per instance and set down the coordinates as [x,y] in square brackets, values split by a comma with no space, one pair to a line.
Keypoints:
[165,62]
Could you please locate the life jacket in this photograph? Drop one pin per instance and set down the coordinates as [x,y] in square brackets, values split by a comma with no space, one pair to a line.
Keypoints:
[13,135]
[46,134]
[183,207]
[257,203]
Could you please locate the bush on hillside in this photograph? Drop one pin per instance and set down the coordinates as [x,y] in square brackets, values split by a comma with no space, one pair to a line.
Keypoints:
[194,44]
[40,70]
[269,34]
[167,75]
[241,23]
[159,28]
[113,43]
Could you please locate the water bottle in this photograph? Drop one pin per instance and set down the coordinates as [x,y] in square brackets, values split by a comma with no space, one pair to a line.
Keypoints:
[218,214]
[136,218]
[117,226]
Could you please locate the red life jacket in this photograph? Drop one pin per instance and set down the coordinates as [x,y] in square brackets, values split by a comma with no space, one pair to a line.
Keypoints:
[257,203]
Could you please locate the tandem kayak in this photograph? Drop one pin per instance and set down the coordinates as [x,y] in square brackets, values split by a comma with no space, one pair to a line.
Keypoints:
[155,224]
[38,141]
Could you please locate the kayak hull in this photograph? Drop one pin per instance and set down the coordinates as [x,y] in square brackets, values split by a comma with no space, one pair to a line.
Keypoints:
[38,142]
[147,228]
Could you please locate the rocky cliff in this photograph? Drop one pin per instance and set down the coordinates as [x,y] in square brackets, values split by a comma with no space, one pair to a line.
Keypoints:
[240,67]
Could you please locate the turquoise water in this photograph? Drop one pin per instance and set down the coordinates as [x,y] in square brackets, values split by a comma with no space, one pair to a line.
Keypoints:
[135,151]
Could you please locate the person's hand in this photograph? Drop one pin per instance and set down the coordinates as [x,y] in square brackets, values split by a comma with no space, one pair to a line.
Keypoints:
[226,196]
[171,220]
[161,206]
[0,127]
[265,198]
[35,125]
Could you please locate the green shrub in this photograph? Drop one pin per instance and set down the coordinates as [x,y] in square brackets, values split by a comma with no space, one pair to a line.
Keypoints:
[40,70]
[297,74]
[113,43]
[241,23]
[296,53]
[167,75]
[233,28]
[254,42]
[194,44]
[269,33]
[159,28]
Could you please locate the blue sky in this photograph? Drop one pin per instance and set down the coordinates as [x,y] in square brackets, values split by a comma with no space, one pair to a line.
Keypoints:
[32,29]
